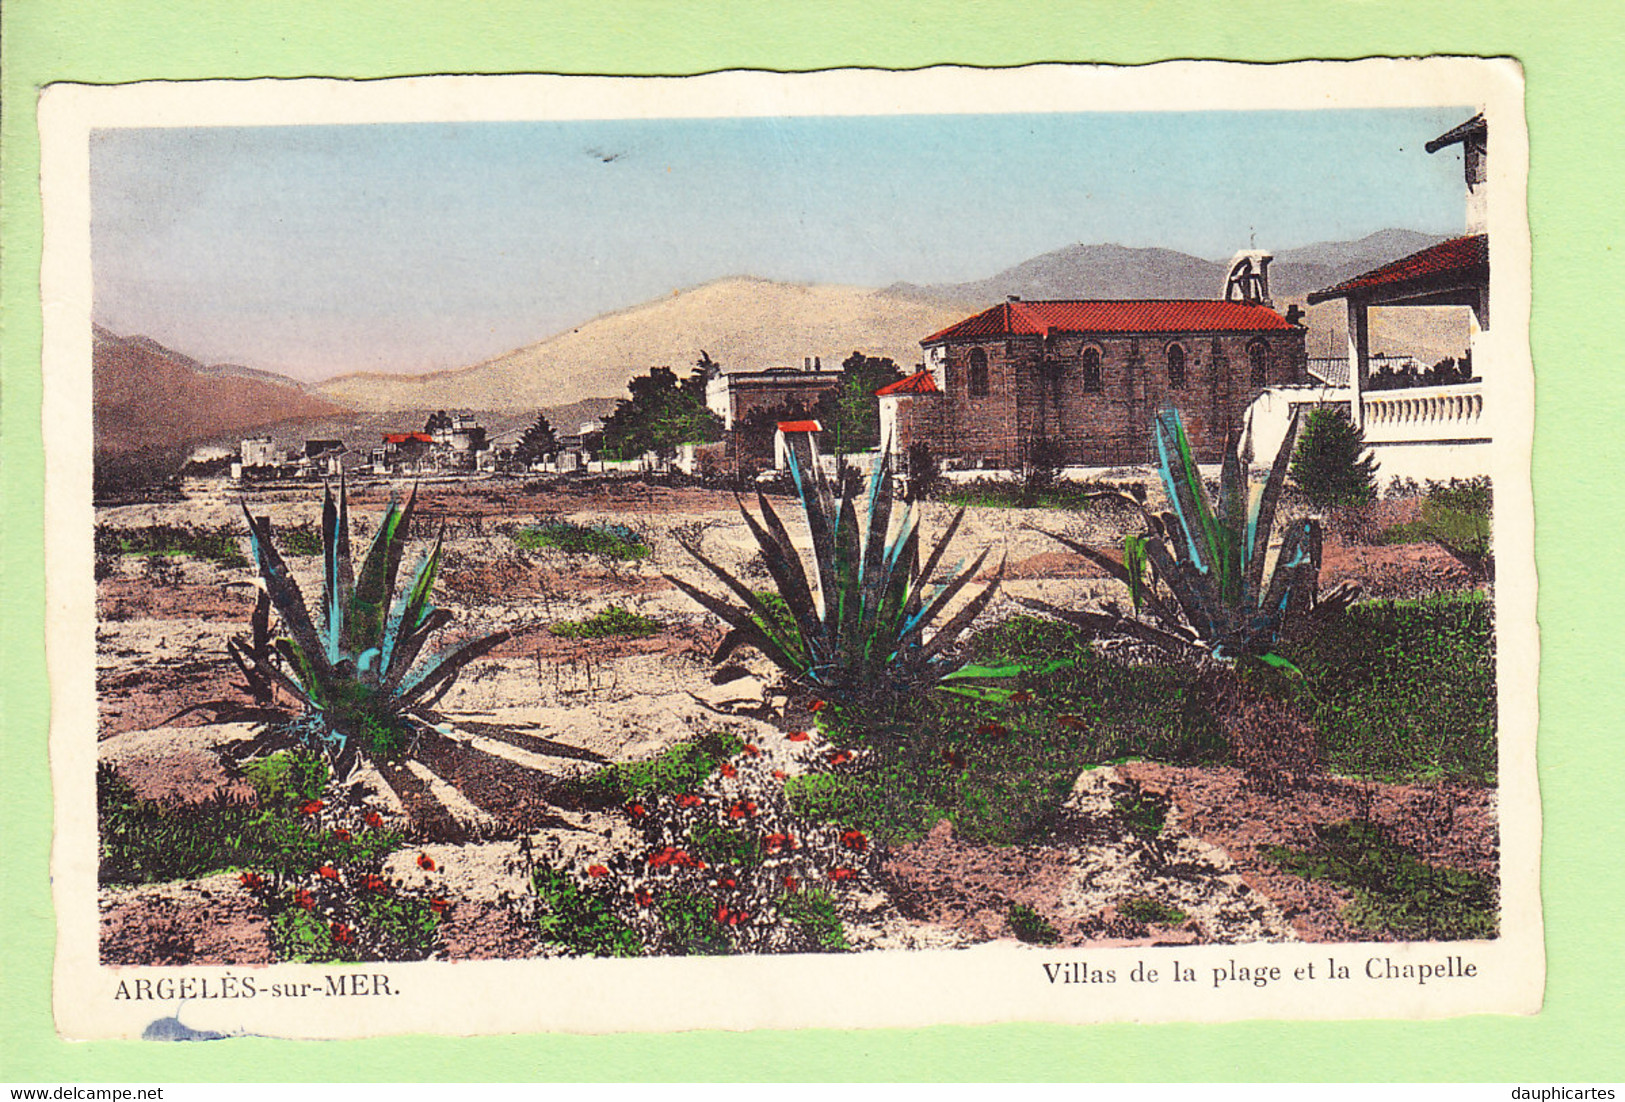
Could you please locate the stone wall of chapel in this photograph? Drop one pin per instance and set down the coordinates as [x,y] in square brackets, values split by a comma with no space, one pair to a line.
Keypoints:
[1036,389]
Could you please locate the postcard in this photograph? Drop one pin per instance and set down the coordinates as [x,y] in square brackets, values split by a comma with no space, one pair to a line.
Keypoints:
[761,550]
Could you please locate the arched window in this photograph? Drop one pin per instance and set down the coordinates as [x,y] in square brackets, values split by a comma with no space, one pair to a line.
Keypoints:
[978,373]
[1091,369]
[1176,366]
[1258,356]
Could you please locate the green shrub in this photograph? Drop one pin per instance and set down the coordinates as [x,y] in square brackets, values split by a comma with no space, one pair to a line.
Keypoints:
[814,911]
[142,842]
[679,768]
[999,769]
[1151,911]
[1030,926]
[691,927]
[612,621]
[214,544]
[1145,816]
[1394,891]
[403,926]
[615,541]
[1331,464]
[1456,514]
[1403,690]
[581,921]
[304,541]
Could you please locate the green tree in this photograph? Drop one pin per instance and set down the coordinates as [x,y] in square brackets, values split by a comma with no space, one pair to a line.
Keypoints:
[850,412]
[661,413]
[1331,465]
[539,441]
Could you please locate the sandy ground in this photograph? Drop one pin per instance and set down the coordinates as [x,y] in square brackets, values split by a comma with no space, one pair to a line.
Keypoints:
[542,709]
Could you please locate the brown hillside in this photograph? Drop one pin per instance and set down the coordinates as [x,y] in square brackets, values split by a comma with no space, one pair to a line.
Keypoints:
[148,396]
[743,323]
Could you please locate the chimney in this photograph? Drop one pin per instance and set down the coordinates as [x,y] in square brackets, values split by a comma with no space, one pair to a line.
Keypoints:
[1012,298]
[806,363]
[1248,278]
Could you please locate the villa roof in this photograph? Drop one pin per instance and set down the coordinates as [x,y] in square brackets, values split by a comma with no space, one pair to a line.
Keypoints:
[921,382]
[1461,260]
[800,426]
[403,437]
[1019,318]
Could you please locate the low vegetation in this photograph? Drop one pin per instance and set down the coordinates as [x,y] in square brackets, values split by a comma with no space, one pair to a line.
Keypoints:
[1403,690]
[1457,515]
[681,768]
[1152,912]
[1395,893]
[1030,926]
[143,842]
[611,622]
[613,541]
[218,545]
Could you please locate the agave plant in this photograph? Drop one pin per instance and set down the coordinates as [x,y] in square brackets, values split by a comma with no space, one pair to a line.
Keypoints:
[355,671]
[1199,572]
[858,622]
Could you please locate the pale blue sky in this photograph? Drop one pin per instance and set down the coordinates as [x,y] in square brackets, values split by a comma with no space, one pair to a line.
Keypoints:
[318,250]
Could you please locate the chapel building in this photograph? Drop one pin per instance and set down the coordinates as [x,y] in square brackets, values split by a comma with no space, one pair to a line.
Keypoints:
[1088,376]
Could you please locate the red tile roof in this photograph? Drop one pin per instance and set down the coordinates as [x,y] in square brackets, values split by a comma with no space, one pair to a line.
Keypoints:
[800,426]
[1113,316]
[403,437]
[921,382]
[1463,258]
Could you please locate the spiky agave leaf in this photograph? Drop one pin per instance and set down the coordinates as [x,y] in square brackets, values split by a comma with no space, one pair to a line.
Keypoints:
[285,595]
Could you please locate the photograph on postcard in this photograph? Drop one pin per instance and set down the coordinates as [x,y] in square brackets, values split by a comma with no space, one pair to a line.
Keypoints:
[961,545]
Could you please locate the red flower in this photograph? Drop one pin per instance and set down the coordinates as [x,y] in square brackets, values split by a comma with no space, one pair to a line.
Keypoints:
[341,834]
[304,899]
[671,855]
[840,757]
[643,898]
[841,872]
[744,809]
[688,800]
[425,862]
[798,736]
[728,770]
[991,728]
[727,917]
[596,871]
[373,820]
[774,843]
[374,883]
[252,880]
[779,774]
[438,905]
[752,751]
[854,840]
[636,810]
[312,808]
[328,872]
[789,883]
[1021,696]
[816,706]
[342,934]
[727,883]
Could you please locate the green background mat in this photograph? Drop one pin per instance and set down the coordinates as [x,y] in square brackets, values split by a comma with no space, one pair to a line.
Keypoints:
[1572,54]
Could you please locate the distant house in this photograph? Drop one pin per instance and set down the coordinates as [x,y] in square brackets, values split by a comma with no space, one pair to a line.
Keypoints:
[456,442]
[401,451]
[735,395]
[800,437]
[1089,375]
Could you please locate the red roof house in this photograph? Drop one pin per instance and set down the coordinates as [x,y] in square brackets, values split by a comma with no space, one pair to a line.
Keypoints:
[1087,376]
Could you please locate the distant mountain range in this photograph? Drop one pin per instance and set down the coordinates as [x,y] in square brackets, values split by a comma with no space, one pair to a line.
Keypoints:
[149,396]
[1115,271]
